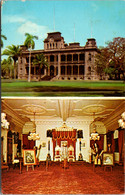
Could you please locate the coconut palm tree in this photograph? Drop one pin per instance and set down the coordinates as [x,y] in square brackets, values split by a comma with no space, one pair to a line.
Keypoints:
[3,37]
[7,67]
[13,51]
[40,60]
[30,44]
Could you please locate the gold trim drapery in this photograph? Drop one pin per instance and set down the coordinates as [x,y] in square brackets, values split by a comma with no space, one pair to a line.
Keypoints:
[63,135]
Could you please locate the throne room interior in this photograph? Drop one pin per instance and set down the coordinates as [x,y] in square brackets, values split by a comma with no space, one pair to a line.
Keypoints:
[75,145]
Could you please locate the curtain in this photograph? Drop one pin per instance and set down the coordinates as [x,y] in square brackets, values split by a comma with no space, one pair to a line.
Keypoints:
[27,144]
[113,143]
[121,144]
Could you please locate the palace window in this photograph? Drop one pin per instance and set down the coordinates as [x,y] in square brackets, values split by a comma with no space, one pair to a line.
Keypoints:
[42,71]
[82,57]
[57,58]
[81,70]
[75,57]
[75,70]
[89,69]
[68,70]
[52,58]
[69,57]
[62,70]
[90,57]
[63,58]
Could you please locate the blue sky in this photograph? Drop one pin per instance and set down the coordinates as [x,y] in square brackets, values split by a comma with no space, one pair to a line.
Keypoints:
[102,20]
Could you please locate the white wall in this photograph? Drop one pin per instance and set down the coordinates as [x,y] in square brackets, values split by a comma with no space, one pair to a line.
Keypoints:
[4,135]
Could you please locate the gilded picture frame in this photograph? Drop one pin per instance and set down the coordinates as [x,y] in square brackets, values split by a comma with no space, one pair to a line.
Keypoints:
[108,159]
[29,157]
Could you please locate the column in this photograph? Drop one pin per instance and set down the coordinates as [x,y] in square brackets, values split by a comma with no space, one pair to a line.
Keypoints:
[66,70]
[58,64]
[105,143]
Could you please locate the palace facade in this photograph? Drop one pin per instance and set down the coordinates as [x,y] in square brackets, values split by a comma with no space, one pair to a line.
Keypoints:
[66,61]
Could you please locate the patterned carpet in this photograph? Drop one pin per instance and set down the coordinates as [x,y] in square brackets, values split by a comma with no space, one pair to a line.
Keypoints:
[77,179]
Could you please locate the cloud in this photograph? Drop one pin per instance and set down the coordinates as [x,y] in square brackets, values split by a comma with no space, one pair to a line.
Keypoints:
[94,6]
[13,19]
[34,29]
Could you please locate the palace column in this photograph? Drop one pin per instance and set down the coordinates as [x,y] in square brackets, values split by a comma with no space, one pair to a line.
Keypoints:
[59,64]
[49,65]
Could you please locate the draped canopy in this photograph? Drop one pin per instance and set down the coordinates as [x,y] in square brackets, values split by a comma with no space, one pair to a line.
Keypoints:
[64,133]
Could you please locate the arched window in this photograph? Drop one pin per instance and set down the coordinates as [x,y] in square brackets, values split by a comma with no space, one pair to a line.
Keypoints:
[89,69]
[68,70]
[81,70]
[90,57]
[75,70]
[62,70]
[51,70]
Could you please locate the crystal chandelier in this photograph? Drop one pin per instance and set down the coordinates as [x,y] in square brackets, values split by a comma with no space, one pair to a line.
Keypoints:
[4,122]
[94,135]
[122,121]
[33,135]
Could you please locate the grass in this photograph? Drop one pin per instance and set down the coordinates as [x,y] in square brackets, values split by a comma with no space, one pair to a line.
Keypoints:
[62,88]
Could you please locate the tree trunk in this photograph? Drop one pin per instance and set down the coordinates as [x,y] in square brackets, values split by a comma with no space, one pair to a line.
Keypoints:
[29,77]
[14,69]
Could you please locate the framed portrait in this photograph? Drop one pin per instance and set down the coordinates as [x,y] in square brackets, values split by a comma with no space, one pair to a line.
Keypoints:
[108,159]
[29,157]
[43,144]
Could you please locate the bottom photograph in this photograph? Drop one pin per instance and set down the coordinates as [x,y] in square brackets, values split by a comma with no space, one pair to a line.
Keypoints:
[62,145]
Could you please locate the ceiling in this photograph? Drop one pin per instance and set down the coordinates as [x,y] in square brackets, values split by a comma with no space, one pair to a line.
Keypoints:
[63,108]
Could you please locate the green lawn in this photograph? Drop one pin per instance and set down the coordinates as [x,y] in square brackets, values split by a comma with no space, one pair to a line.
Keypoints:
[62,88]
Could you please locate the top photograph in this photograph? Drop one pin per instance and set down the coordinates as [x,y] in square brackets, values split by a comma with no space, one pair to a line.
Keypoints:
[62,48]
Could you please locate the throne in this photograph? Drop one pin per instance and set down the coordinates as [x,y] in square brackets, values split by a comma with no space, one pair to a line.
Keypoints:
[57,153]
[71,156]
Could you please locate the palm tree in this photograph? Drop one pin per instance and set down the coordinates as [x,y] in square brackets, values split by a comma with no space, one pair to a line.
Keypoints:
[30,44]
[7,67]
[3,37]
[13,51]
[40,60]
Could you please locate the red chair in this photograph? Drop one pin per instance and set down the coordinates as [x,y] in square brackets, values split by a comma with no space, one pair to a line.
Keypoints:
[71,156]
[57,153]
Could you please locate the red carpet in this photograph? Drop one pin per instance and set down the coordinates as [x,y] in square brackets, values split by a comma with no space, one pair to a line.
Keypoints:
[78,179]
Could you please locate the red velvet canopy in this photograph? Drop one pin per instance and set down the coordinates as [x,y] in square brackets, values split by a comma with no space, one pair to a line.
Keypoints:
[69,136]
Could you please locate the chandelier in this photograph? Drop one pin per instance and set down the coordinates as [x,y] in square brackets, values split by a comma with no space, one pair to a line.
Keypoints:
[4,122]
[94,135]
[122,121]
[33,135]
